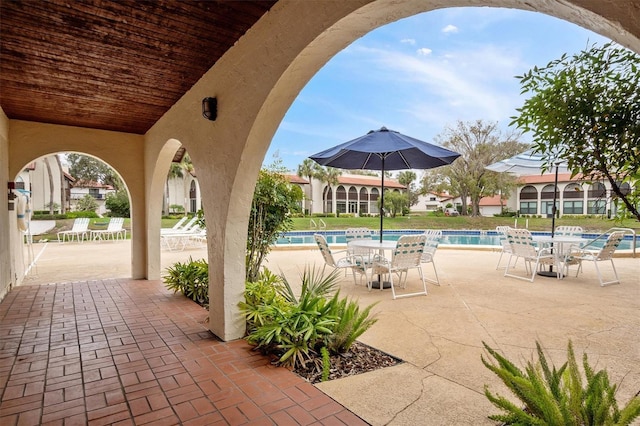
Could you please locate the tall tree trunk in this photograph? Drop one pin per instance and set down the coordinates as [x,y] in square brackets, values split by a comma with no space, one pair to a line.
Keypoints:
[63,192]
[51,186]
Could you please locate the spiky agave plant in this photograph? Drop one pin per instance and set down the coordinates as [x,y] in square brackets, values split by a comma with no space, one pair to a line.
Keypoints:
[557,396]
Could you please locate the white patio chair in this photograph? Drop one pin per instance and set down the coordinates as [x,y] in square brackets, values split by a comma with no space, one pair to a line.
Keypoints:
[353,234]
[355,263]
[504,242]
[430,246]
[568,231]
[522,246]
[79,230]
[407,255]
[114,230]
[579,255]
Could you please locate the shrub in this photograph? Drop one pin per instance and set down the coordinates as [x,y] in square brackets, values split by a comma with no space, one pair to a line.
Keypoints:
[118,203]
[87,204]
[557,396]
[296,328]
[191,279]
[274,199]
[76,214]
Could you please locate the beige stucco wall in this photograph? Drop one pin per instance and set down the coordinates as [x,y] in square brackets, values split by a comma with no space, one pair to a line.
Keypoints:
[255,83]
[6,265]
[123,152]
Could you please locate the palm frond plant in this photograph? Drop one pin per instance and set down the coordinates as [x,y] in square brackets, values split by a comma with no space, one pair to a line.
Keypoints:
[295,327]
[557,396]
[191,278]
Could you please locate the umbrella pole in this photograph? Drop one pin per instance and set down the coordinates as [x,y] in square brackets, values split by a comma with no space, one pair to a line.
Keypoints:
[382,200]
[550,272]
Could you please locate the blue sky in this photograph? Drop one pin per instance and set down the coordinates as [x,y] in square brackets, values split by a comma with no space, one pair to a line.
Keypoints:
[423,73]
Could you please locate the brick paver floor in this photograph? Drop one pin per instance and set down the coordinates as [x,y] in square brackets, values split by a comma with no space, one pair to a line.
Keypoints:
[130,352]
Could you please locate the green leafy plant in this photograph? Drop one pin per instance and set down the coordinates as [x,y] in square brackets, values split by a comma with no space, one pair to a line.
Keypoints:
[191,279]
[118,203]
[296,327]
[554,396]
[350,325]
[274,199]
[87,204]
[326,363]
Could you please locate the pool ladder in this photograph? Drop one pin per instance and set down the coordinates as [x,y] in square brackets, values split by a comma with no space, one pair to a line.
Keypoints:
[321,225]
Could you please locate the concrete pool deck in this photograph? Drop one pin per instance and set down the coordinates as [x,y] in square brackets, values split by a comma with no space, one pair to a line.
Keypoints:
[439,336]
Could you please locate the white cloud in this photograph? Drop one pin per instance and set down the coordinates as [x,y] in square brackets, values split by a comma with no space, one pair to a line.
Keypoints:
[464,84]
[424,51]
[450,29]
[411,41]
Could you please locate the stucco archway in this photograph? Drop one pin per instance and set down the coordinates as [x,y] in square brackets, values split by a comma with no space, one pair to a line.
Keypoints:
[255,83]
[123,152]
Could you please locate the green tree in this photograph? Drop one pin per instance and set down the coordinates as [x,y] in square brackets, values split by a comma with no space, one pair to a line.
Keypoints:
[118,203]
[585,109]
[83,167]
[329,177]
[406,178]
[309,169]
[273,200]
[395,202]
[479,144]
[87,204]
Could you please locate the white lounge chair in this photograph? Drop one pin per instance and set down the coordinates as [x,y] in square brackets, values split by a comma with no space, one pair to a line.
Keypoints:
[79,230]
[115,230]
[407,255]
[181,239]
[185,228]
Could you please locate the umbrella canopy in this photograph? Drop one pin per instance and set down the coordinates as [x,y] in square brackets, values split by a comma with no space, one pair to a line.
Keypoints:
[385,150]
[527,164]
[524,164]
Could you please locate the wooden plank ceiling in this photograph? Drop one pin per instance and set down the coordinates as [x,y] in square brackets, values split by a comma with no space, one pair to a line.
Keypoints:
[113,65]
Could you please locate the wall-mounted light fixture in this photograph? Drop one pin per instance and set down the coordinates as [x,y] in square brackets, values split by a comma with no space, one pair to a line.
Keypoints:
[210,108]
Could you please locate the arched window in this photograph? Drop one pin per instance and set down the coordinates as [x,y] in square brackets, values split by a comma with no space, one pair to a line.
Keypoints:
[373,201]
[625,188]
[597,190]
[341,200]
[547,193]
[529,193]
[573,190]
[573,199]
[364,201]
[528,200]
[353,200]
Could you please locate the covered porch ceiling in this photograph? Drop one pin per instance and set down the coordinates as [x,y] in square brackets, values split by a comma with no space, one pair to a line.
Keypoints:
[111,65]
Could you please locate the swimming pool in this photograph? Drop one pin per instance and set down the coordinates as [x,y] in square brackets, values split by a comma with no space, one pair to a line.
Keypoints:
[449,237]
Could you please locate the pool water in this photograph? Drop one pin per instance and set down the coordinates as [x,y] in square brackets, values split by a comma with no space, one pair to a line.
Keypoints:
[449,237]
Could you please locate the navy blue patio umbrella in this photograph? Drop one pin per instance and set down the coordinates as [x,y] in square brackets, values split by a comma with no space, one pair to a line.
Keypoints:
[385,150]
